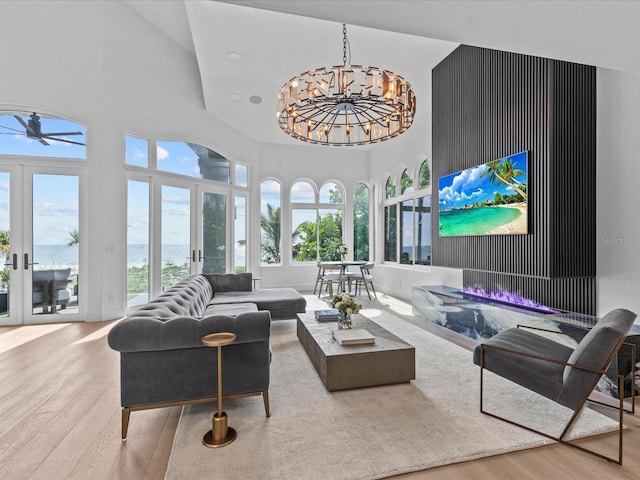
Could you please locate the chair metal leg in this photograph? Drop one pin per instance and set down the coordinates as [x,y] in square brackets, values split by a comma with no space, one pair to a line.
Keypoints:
[573,418]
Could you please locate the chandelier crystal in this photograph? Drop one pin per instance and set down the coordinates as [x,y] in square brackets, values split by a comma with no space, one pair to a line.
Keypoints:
[346,104]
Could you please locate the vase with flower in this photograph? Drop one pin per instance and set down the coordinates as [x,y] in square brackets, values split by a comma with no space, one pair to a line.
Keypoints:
[343,250]
[347,306]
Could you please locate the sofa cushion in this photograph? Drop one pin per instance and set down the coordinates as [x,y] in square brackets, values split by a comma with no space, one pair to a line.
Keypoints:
[230,309]
[282,302]
[230,282]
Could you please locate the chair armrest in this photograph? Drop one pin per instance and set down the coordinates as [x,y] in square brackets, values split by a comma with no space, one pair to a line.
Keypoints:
[484,347]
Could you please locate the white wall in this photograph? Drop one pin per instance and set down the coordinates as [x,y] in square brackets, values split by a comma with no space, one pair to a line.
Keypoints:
[618,182]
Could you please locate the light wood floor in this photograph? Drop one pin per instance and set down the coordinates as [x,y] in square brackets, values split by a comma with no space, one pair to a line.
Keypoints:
[59,398]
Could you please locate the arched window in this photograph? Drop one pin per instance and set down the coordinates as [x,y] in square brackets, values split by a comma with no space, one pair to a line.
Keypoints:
[390,188]
[424,180]
[361,222]
[316,225]
[270,223]
[407,221]
[406,183]
[302,192]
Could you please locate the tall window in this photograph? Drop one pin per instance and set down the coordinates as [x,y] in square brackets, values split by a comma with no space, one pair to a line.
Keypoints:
[137,242]
[270,223]
[361,222]
[316,225]
[240,235]
[407,220]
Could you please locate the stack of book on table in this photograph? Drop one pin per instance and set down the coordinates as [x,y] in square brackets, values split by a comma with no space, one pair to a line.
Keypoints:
[330,315]
[357,336]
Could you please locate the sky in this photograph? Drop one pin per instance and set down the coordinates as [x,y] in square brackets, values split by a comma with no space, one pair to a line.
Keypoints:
[468,186]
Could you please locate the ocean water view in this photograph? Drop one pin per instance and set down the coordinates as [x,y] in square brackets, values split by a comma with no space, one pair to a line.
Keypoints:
[137,255]
[476,221]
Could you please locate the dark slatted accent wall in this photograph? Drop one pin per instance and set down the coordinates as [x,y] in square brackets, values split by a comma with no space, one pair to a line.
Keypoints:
[489,104]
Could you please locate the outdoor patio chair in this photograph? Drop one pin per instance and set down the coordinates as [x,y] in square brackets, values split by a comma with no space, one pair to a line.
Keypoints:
[557,371]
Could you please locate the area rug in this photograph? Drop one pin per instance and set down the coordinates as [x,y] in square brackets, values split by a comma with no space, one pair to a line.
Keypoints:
[367,433]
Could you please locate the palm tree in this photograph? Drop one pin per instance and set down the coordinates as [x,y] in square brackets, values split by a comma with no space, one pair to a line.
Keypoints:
[75,238]
[271,234]
[497,171]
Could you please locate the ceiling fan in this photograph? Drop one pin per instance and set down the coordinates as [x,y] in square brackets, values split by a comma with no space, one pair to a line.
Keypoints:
[33,129]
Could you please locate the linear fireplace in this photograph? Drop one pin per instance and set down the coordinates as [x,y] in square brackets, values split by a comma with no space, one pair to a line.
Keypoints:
[507,298]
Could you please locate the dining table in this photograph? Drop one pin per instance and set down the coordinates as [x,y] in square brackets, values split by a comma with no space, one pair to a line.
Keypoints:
[345,264]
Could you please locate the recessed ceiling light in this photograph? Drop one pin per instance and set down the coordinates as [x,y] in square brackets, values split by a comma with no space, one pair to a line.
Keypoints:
[255,99]
[234,96]
[234,55]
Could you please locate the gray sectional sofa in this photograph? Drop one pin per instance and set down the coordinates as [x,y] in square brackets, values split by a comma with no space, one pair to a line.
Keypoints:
[162,359]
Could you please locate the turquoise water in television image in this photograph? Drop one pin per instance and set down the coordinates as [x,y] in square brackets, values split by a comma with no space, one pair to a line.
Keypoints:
[476,221]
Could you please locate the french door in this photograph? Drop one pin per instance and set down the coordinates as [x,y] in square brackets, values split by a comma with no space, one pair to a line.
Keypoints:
[182,228]
[40,280]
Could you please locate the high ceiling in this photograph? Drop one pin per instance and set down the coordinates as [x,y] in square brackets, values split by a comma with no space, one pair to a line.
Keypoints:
[278,39]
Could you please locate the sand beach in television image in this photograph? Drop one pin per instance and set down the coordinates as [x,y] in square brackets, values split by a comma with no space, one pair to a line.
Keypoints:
[488,199]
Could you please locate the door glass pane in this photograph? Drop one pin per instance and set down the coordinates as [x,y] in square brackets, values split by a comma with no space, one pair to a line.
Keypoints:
[240,227]
[214,233]
[4,243]
[406,233]
[55,243]
[137,243]
[176,235]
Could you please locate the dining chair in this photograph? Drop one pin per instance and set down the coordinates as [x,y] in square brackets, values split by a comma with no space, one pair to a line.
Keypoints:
[332,273]
[318,277]
[364,277]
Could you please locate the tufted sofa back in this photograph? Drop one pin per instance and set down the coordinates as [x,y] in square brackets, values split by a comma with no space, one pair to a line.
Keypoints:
[187,298]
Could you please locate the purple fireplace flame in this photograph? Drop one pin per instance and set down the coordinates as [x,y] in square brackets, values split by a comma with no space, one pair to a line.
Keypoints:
[509,298]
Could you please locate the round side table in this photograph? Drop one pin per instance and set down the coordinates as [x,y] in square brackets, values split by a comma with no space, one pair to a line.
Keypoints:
[220,434]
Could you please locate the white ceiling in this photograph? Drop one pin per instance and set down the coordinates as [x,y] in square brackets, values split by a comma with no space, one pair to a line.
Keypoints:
[278,39]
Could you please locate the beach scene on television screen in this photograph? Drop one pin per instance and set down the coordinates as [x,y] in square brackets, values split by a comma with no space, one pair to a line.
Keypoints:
[489,199]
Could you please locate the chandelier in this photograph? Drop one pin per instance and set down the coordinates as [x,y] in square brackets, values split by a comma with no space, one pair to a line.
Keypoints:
[346,104]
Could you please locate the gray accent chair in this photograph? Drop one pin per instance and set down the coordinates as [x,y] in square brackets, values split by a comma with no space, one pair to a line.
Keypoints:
[556,371]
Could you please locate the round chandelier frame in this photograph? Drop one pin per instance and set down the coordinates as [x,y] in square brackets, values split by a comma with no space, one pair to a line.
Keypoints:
[346,104]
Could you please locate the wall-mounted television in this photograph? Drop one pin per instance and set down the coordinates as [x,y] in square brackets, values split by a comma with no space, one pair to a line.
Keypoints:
[488,199]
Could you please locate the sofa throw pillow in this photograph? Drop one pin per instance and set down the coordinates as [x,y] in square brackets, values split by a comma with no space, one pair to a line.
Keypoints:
[230,282]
